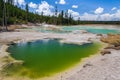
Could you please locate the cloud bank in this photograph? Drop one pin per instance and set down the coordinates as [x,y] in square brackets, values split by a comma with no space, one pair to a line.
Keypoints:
[98,14]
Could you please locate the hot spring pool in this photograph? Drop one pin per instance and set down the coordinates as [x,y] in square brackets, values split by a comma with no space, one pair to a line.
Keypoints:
[94,30]
[47,57]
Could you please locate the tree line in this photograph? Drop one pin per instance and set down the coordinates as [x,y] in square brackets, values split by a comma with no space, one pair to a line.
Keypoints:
[12,14]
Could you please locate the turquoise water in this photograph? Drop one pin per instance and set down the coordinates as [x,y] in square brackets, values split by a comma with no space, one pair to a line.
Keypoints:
[103,31]
[68,29]
[92,30]
[47,57]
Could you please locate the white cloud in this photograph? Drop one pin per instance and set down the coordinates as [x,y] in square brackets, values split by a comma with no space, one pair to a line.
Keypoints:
[56,2]
[114,8]
[15,2]
[105,17]
[62,2]
[87,16]
[99,10]
[116,16]
[74,14]
[101,17]
[32,5]
[21,2]
[45,8]
[74,6]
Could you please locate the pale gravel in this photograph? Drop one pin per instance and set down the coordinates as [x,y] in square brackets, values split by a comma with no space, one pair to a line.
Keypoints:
[79,38]
[102,68]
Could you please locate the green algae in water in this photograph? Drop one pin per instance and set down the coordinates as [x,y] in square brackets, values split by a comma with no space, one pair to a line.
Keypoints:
[46,57]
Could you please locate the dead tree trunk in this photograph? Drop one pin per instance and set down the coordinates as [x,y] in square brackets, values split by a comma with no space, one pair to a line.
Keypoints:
[4,18]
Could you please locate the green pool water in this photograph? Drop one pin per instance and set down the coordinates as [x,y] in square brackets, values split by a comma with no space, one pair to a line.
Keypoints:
[47,57]
[94,30]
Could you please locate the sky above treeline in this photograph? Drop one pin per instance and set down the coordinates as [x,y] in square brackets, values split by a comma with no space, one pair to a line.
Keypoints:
[85,9]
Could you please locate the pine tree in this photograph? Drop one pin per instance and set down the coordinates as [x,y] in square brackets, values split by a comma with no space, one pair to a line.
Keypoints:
[78,20]
[56,14]
[10,14]
[56,11]
[66,17]
[70,19]
[27,11]
[62,15]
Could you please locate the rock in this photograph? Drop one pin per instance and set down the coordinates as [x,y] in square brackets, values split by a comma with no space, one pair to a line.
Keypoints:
[117,44]
[15,63]
[99,35]
[117,48]
[113,47]
[105,52]
[110,47]
[12,43]
[89,39]
[87,64]
[84,31]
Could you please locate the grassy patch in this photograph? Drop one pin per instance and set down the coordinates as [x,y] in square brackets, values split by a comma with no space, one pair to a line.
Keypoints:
[113,39]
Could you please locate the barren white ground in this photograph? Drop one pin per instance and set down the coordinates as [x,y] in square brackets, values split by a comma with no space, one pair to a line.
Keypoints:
[100,68]
[76,38]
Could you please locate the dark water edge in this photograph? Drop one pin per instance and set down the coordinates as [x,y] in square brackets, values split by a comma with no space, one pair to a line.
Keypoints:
[48,57]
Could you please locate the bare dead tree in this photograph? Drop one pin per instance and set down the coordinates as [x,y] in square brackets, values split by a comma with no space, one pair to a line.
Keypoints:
[4,17]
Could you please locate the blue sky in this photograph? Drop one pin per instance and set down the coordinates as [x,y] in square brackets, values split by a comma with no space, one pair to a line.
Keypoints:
[83,5]
[86,9]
